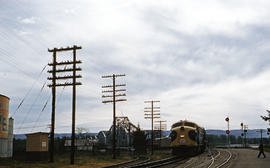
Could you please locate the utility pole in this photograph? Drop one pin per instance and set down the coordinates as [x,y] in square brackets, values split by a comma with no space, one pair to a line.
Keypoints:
[245,135]
[114,100]
[152,115]
[73,83]
[242,134]
[161,127]
[129,137]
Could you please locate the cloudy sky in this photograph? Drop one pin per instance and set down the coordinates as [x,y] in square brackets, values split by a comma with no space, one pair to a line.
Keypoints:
[203,60]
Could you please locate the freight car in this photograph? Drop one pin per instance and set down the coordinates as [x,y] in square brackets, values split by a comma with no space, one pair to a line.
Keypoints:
[187,138]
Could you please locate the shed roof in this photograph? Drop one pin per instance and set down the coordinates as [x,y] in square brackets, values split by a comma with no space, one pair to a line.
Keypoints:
[37,133]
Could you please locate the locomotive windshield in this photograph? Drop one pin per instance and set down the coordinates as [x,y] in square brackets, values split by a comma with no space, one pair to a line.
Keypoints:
[189,124]
[177,124]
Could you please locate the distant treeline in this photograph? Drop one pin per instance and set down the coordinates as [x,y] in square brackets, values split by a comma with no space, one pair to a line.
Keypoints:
[215,140]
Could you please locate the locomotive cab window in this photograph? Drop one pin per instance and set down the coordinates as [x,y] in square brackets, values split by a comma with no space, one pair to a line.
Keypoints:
[177,125]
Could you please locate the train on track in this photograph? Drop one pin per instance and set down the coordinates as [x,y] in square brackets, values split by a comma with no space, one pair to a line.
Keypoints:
[187,138]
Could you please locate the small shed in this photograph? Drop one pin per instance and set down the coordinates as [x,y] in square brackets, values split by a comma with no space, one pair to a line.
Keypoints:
[37,142]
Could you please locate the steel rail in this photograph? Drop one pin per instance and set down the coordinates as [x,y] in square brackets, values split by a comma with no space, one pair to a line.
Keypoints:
[226,161]
[126,164]
[157,163]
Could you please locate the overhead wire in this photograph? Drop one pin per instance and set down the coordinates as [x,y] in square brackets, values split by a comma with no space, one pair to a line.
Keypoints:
[32,105]
[58,100]
[13,62]
[40,113]
[32,86]
[23,41]
[22,128]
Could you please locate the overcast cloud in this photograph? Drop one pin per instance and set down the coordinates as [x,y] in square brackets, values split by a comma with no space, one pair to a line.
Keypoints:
[203,60]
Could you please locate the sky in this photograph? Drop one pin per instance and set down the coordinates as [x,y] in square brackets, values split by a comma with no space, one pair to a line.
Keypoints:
[204,61]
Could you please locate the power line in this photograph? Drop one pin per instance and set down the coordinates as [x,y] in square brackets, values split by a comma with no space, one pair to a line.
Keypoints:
[43,108]
[58,100]
[22,128]
[31,107]
[28,92]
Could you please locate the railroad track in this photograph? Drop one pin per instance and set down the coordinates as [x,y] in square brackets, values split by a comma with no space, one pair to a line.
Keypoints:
[219,159]
[147,163]
[167,162]
[222,160]
[136,161]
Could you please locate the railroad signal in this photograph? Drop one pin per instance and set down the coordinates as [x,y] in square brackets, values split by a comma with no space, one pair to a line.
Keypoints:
[228,130]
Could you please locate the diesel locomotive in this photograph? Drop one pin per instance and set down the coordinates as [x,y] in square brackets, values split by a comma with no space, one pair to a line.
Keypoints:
[187,138]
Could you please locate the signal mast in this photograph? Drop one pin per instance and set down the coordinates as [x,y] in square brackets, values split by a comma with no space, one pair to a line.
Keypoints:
[228,130]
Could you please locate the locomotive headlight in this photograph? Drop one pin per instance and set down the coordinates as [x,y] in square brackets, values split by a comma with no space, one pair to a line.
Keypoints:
[173,135]
[192,135]
[182,136]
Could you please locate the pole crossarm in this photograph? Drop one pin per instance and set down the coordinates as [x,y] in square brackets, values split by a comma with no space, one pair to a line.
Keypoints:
[64,84]
[161,121]
[104,96]
[111,76]
[65,49]
[152,114]
[65,70]
[154,101]
[152,111]
[150,117]
[110,86]
[64,77]
[111,101]
[65,63]
[151,108]
[118,90]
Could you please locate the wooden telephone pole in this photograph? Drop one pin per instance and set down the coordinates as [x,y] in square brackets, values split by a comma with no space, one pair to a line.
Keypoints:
[152,115]
[114,100]
[73,83]
[161,127]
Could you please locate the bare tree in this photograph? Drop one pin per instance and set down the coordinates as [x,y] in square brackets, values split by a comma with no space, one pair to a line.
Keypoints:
[265,118]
